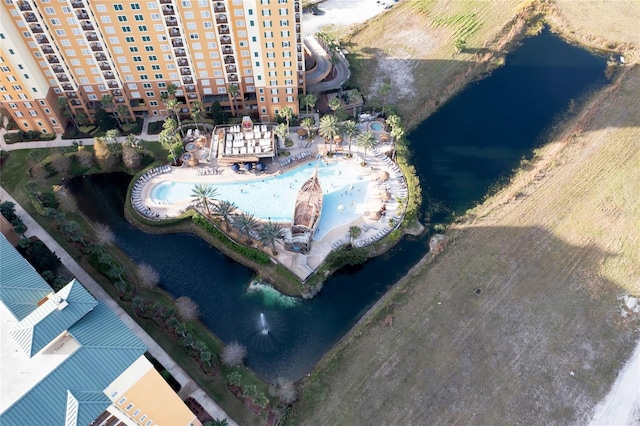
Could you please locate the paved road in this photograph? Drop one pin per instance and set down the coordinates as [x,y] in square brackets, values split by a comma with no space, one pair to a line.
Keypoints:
[189,387]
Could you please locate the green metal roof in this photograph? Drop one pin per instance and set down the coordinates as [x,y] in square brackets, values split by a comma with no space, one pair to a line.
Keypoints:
[73,392]
[21,288]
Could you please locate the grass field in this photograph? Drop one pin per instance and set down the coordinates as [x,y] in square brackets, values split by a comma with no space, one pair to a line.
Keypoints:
[551,256]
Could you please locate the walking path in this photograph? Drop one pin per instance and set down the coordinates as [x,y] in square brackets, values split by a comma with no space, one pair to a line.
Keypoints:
[189,387]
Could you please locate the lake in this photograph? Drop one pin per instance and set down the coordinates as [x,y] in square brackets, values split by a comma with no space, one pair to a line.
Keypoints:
[460,152]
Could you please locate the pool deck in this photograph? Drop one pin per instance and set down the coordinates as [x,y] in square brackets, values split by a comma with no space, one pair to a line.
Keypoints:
[302,265]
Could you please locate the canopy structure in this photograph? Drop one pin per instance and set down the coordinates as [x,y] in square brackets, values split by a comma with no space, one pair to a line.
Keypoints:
[235,167]
[385,196]
[260,167]
[248,166]
[384,175]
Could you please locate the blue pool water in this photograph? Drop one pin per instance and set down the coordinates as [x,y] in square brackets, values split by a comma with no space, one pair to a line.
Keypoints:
[273,198]
[376,126]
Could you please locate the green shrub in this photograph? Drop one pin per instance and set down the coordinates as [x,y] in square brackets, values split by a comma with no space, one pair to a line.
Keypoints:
[347,256]
[248,252]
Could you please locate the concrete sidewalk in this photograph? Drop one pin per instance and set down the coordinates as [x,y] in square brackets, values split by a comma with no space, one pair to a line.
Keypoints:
[189,387]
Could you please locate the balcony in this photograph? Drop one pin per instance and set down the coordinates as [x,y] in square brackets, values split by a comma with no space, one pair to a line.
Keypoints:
[91,36]
[63,78]
[96,47]
[232,77]
[104,66]
[299,66]
[109,75]
[171,21]
[190,88]
[168,10]
[192,96]
[299,48]
[219,7]
[230,68]
[185,71]
[77,4]
[165,1]
[116,92]
[101,57]
[297,28]
[174,32]
[82,15]
[24,5]
[112,83]
[223,29]
[229,60]
[225,40]
[182,62]
[53,59]
[87,26]
[181,52]
[71,95]
[187,80]
[221,19]
[177,42]
[297,38]
[30,17]
[118,99]
[75,102]
[297,7]
[57,69]
[67,87]
[42,39]
[47,49]
[297,17]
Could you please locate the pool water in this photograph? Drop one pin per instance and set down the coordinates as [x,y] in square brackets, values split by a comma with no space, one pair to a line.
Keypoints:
[376,126]
[273,198]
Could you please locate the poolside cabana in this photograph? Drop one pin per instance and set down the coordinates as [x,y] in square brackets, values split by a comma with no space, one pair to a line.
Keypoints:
[246,143]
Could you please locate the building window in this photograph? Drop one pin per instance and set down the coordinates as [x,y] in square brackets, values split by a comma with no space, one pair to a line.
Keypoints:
[122,18]
[138,17]
[117,7]
[135,6]
[126,29]
[146,38]
[148,48]
[130,39]
[133,49]
[152,103]
[153,58]
[142,28]
[129,407]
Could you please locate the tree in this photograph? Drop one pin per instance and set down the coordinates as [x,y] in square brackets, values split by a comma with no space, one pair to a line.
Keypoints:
[308,101]
[63,103]
[60,163]
[246,223]
[351,130]
[328,129]
[205,194]
[8,210]
[104,234]
[205,356]
[175,106]
[196,112]
[366,141]
[172,89]
[284,390]
[308,123]
[334,104]
[354,232]
[65,198]
[112,134]
[281,131]
[85,158]
[148,278]
[269,233]
[105,158]
[224,210]
[460,44]
[233,354]
[82,119]
[384,91]
[131,158]
[287,114]
[138,304]
[171,142]
[234,91]
[217,422]
[102,119]
[234,378]
[107,103]
[123,113]
[187,309]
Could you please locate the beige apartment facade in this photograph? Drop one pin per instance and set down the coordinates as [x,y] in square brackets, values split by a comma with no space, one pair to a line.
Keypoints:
[124,55]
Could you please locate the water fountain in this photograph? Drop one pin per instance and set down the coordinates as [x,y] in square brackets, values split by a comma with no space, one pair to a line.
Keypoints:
[263,323]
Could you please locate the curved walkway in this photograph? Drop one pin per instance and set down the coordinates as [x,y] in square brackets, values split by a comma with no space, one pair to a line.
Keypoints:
[189,387]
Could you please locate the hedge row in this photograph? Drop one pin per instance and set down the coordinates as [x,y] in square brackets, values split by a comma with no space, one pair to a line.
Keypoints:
[248,252]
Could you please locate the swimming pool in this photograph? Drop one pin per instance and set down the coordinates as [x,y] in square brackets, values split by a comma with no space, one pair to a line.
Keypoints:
[376,126]
[273,198]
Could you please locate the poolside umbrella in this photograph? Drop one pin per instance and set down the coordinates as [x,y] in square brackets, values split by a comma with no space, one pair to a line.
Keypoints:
[235,167]
[260,167]
[375,215]
[248,166]
[302,133]
[194,161]
[385,196]
[384,137]
[384,175]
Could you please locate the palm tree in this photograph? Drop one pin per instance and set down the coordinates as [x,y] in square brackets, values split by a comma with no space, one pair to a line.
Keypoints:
[205,194]
[169,141]
[309,101]
[246,223]
[366,141]
[234,91]
[123,113]
[281,131]
[107,104]
[384,92]
[334,104]
[175,106]
[63,103]
[307,123]
[328,129]
[269,233]
[112,134]
[351,130]
[196,111]
[224,210]
[287,114]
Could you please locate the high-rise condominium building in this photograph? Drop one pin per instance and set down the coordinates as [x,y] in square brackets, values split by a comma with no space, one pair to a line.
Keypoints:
[124,55]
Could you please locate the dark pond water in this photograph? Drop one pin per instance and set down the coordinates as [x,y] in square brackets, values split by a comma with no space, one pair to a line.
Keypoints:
[462,150]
